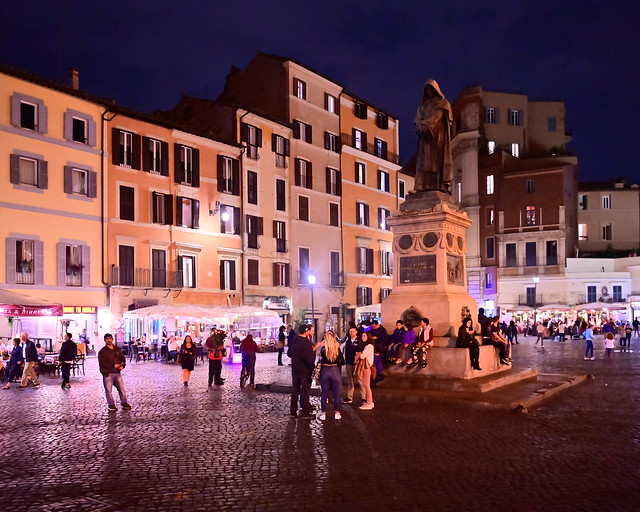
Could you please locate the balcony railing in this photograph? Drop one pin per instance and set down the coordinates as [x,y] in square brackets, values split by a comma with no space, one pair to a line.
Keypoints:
[281,161]
[252,152]
[336,279]
[281,245]
[347,140]
[145,277]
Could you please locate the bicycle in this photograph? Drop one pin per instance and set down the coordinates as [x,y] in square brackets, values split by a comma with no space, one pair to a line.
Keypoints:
[244,373]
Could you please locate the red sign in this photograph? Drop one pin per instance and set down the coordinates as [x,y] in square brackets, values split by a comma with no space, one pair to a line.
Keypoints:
[21,310]
[71,310]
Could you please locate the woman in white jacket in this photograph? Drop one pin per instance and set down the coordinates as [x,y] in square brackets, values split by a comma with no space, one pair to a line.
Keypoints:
[367,356]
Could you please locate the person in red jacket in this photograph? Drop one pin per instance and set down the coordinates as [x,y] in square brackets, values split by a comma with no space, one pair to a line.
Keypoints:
[249,349]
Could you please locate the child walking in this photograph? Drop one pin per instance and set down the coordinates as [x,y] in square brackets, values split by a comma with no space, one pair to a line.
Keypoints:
[608,345]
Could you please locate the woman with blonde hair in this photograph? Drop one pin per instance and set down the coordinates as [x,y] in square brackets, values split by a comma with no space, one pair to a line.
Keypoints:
[330,374]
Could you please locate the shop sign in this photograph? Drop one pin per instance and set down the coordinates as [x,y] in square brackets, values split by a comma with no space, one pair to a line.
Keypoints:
[20,310]
[78,310]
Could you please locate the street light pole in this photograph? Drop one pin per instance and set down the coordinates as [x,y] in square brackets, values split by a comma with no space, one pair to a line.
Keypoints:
[536,279]
[312,281]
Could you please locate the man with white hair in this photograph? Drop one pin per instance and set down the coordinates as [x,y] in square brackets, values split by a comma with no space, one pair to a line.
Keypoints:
[30,356]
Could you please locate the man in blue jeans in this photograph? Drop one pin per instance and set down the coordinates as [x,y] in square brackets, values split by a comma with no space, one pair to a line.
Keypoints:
[112,362]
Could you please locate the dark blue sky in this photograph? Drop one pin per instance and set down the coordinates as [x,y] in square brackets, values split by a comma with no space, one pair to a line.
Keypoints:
[146,53]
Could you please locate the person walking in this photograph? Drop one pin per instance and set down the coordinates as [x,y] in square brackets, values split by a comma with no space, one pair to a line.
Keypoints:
[249,349]
[588,336]
[608,345]
[187,356]
[68,352]
[112,362]
[539,334]
[30,356]
[331,359]
[15,362]
[367,359]
[351,349]
[216,353]
[628,331]
[282,336]
[302,354]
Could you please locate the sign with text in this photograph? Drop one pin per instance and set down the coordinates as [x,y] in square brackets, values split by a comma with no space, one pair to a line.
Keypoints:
[418,269]
[22,310]
[76,310]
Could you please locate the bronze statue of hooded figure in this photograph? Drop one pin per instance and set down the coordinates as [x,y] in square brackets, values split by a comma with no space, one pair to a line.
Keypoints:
[434,166]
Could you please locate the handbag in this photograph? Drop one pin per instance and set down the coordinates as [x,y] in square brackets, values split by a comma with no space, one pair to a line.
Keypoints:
[315,375]
[178,359]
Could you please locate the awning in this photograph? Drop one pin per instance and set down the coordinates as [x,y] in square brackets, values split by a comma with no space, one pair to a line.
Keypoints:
[17,304]
[554,307]
[218,315]
[516,308]
[598,306]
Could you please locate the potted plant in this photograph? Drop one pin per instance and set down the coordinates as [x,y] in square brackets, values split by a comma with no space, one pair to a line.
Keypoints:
[26,266]
[74,270]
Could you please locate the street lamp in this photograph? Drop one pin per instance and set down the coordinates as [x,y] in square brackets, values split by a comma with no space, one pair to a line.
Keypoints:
[536,280]
[312,281]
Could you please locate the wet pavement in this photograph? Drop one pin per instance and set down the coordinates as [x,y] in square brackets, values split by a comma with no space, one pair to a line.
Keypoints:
[227,448]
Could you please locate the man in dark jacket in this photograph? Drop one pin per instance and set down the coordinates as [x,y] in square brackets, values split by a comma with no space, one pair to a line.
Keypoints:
[351,347]
[112,362]
[30,356]
[303,357]
[68,353]
[14,363]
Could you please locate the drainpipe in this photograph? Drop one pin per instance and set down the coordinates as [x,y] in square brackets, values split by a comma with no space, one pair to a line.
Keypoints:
[242,151]
[344,274]
[102,215]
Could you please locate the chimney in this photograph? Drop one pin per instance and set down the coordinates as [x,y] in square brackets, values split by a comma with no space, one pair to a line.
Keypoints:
[74,79]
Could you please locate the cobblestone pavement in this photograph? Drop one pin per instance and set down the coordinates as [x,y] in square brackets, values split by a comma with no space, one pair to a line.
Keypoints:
[233,449]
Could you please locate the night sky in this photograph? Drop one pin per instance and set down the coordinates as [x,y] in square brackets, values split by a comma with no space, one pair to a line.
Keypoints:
[145,54]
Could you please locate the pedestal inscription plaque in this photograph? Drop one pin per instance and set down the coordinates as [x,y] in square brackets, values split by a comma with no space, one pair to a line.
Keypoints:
[418,269]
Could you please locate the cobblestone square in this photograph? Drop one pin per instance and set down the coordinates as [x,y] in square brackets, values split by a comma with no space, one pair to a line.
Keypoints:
[227,448]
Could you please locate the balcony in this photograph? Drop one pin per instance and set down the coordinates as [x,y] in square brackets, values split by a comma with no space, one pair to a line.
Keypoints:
[347,140]
[145,278]
[281,245]
[336,279]
[281,161]
[252,152]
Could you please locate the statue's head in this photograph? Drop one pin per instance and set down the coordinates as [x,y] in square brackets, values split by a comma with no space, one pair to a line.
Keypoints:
[432,90]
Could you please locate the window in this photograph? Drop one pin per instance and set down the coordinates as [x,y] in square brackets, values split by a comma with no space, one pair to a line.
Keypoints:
[73,264]
[380,148]
[401,189]
[491,248]
[515,150]
[365,296]
[491,146]
[490,184]
[29,171]
[592,293]
[227,275]
[331,142]
[330,103]
[360,110]
[531,215]
[385,263]
[491,217]
[299,89]
[335,277]
[281,196]
[187,212]
[28,112]
[606,232]
[515,117]
[228,175]
[359,139]
[383,213]
[530,254]
[79,127]
[382,121]
[362,213]
[280,146]
[334,216]
[529,186]
[361,173]
[334,182]
[606,202]
[80,181]
[280,235]
[187,168]
[280,274]
[384,293]
[127,203]
[252,137]
[126,148]
[155,156]
[583,233]
[531,295]
[617,293]
[511,255]
[252,187]
[365,260]
[125,274]
[551,124]
[253,273]
[552,252]
[303,262]
[582,201]
[302,131]
[25,261]
[304,176]
[303,208]
[158,268]
[490,115]
[383,180]
[254,227]
[232,224]
[79,131]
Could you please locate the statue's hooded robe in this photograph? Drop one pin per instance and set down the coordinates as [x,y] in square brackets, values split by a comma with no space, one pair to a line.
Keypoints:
[434,166]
